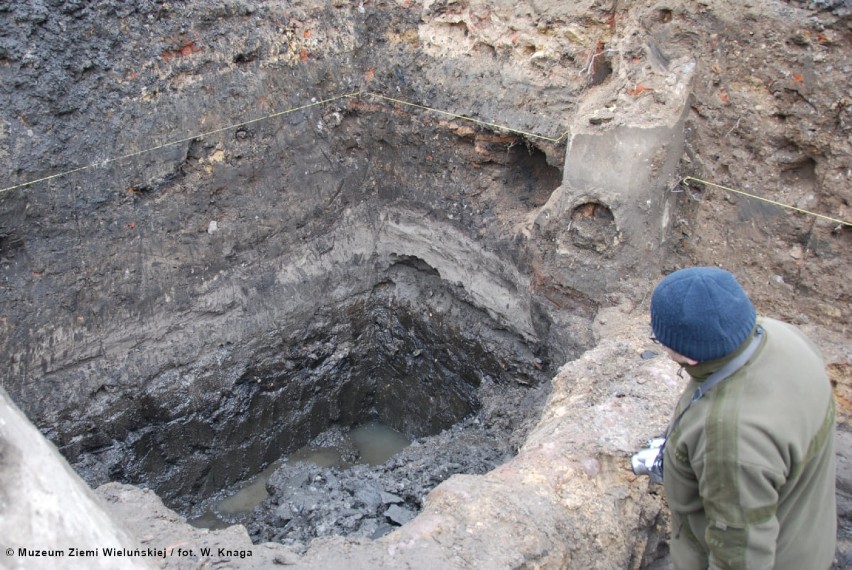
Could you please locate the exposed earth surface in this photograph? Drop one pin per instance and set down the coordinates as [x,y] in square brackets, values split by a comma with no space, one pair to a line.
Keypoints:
[231,230]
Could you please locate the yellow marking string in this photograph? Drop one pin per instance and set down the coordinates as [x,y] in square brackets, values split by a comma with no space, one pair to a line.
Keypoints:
[179,141]
[393,100]
[835,220]
[469,119]
[272,116]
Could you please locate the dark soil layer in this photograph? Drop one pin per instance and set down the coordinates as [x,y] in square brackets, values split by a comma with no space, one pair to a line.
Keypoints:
[182,317]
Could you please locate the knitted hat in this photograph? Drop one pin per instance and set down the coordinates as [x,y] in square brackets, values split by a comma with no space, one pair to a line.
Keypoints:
[701,313]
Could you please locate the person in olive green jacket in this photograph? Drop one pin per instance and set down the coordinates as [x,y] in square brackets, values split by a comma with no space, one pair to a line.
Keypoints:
[749,468]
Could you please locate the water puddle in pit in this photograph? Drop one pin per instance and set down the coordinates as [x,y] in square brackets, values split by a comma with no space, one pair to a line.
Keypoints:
[374,442]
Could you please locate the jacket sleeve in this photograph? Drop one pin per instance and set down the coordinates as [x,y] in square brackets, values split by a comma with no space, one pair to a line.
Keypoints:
[740,501]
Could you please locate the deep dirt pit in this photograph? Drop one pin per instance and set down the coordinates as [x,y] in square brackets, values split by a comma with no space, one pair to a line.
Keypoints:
[410,355]
[343,288]
[413,353]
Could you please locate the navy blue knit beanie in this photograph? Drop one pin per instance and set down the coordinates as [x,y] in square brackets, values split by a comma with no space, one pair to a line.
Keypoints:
[701,313]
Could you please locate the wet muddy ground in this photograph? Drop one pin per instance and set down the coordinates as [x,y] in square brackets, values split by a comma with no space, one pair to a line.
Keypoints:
[343,483]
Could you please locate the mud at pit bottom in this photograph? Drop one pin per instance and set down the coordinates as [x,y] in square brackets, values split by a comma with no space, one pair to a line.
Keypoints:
[366,480]
[371,444]
[307,500]
[359,482]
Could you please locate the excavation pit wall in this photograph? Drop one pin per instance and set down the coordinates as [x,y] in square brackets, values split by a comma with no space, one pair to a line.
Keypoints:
[233,299]
[209,321]
[409,348]
[238,298]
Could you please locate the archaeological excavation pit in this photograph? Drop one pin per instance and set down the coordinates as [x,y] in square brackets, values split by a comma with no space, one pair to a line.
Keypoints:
[243,296]
[410,353]
[281,224]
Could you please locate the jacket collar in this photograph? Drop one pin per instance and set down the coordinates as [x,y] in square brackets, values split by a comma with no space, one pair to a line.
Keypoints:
[703,370]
